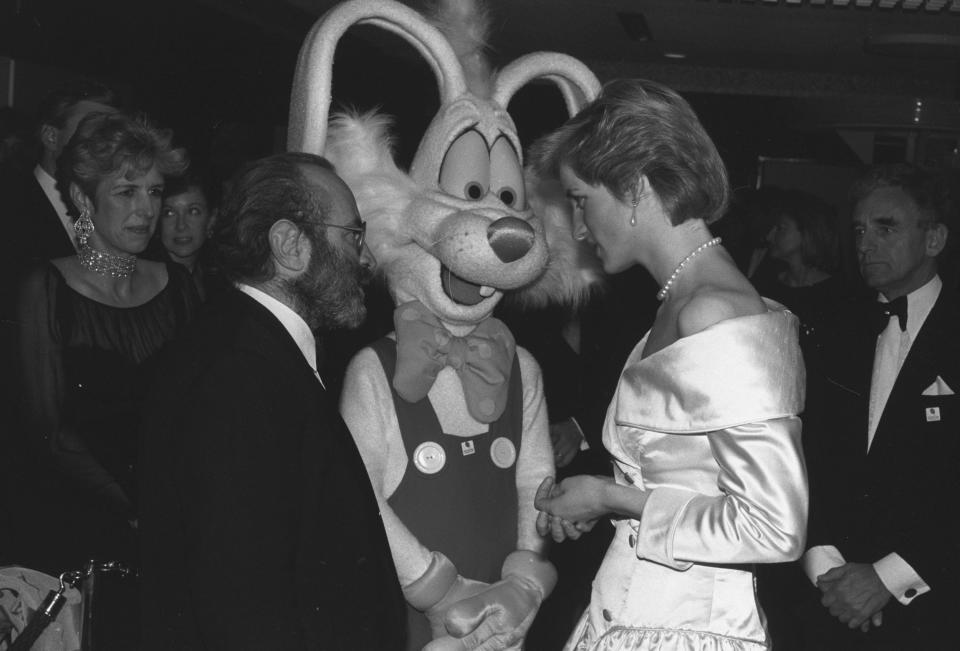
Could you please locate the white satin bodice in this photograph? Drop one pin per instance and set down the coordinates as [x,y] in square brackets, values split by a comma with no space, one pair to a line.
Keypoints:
[709,427]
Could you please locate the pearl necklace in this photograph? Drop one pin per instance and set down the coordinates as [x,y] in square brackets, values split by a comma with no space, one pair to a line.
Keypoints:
[106,264]
[662,294]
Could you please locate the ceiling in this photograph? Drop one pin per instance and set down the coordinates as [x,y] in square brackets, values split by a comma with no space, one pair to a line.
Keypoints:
[777,48]
[762,74]
[765,47]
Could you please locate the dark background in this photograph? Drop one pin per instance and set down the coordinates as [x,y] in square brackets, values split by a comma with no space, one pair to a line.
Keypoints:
[781,80]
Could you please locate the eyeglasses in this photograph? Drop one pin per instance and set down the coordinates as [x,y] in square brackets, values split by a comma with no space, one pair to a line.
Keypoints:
[359,232]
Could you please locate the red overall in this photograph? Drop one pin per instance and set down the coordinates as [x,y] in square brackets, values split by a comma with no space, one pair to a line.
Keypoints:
[466,509]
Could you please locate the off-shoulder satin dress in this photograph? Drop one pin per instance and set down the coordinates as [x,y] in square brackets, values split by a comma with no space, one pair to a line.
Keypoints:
[709,427]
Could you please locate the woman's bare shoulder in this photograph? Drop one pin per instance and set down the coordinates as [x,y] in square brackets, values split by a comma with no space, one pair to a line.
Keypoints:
[711,305]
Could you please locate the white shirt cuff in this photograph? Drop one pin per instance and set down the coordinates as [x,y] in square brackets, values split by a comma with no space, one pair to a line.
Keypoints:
[819,560]
[899,578]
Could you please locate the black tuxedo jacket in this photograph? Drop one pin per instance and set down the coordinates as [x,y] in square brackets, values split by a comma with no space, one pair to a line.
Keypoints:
[903,495]
[259,527]
[30,232]
[33,230]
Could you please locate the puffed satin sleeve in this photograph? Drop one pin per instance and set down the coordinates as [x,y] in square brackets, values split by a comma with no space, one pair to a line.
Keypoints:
[760,515]
[740,384]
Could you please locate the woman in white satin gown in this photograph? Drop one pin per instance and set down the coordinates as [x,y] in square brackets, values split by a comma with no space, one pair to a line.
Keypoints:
[703,429]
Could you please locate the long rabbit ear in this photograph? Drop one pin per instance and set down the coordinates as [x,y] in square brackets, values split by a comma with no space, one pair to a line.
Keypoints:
[577,83]
[310,100]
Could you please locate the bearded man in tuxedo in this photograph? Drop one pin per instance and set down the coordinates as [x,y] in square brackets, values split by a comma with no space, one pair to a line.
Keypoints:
[259,527]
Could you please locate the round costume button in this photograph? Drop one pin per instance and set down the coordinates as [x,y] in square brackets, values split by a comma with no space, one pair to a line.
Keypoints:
[429,458]
[503,452]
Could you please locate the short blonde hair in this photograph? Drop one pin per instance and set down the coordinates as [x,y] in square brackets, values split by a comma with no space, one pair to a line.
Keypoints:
[105,143]
[639,127]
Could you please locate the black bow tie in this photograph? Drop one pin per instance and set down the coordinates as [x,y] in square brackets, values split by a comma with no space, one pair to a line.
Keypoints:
[883,311]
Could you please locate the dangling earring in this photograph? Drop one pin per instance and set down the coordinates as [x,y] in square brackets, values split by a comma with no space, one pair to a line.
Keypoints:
[84,227]
[636,201]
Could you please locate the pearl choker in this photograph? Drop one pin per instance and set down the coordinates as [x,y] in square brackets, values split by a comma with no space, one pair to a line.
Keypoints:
[106,264]
[662,294]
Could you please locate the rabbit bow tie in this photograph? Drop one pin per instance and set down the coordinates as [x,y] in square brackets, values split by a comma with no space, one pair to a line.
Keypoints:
[482,359]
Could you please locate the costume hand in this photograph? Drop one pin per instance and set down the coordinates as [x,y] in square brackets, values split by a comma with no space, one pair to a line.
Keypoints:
[854,594]
[497,618]
[566,439]
[461,589]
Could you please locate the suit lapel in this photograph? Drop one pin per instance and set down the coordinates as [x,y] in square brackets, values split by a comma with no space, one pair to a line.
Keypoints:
[52,238]
[919,369]
[266,336]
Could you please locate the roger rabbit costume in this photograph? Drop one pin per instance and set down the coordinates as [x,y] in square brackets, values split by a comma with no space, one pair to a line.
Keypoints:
[447,412]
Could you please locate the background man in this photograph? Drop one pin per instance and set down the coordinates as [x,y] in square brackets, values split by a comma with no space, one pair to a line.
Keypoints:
[34,214]
[259,527]
[882,431]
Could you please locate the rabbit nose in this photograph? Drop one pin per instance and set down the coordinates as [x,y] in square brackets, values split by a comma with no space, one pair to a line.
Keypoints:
[510,238]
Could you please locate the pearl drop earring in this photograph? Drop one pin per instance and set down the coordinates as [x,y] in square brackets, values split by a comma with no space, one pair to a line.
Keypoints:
[636,201]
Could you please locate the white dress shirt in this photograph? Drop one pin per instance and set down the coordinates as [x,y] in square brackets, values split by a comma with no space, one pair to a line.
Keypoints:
[49,185]
[896,574]
[292,322]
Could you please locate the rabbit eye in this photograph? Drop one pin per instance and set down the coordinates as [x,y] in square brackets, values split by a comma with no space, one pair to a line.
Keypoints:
[465,171]
[473,190]
[506,174]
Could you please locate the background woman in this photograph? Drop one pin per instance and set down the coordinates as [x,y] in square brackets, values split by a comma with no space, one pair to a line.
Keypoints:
[804,243]
[186,221]
[89,326]
[709,476]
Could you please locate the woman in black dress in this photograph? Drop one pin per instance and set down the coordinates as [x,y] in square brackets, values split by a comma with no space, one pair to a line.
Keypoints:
[804,244]
[90,324]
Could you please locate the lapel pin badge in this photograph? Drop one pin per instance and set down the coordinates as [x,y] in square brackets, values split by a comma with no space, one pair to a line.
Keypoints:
[932,414]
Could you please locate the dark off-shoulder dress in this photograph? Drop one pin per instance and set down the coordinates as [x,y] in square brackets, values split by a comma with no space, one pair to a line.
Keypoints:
[86,368]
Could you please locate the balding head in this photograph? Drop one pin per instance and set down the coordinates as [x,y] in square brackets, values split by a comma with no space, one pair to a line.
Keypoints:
[291,186]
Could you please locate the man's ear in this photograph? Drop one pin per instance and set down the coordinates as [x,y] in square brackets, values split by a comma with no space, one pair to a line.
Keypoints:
[80,199]
[290,248]
[937,239]
[49,137]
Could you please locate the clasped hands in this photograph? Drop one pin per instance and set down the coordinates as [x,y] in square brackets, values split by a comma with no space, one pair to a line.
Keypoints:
[854,594]
[572,507]
[468,615]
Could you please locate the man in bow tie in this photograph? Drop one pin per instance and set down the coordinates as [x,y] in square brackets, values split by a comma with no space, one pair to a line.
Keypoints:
[882,431]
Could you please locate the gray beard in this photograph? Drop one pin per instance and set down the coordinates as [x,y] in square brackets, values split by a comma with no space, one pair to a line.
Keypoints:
[329,295]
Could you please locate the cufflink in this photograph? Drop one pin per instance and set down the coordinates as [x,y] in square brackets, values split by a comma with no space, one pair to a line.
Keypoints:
[910,593]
